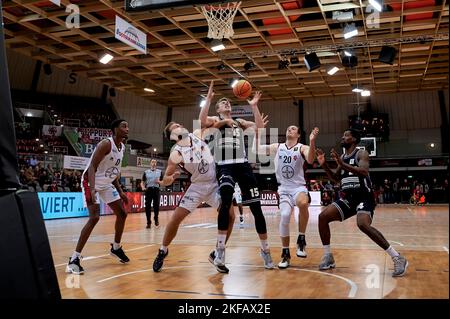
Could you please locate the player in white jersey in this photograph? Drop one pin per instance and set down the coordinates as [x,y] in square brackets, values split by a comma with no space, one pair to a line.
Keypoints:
[237,199]
[100,181]
[193,155]
[290,160]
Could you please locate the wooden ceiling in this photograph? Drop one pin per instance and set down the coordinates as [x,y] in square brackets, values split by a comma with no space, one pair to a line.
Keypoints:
[180,64]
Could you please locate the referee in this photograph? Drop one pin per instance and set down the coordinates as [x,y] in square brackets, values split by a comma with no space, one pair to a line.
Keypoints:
[152,179]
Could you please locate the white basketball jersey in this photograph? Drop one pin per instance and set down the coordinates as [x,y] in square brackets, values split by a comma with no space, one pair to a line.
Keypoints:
[289,166]
[197,160]
[109,167]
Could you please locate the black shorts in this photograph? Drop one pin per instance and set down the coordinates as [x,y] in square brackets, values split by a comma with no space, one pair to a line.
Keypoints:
[349,204]
[241,173]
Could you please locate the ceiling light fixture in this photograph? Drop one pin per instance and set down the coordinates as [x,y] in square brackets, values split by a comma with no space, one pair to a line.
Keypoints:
[249,65]
[350,31]
[333,70]
[149,90]
[233,82]
[217,45]
[283,64]
[106,58]
[377,4]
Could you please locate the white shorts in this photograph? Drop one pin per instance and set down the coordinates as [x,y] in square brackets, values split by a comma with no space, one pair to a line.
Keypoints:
[107,194]
[290,195]
[198,193]
[237,197]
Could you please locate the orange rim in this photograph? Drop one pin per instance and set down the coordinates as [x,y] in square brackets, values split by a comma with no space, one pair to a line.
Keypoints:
[229,5]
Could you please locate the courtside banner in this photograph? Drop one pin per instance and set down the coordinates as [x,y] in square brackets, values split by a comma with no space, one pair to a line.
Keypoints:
[169,201]
[62,205]
[269,199]
[128,34]
[75,162]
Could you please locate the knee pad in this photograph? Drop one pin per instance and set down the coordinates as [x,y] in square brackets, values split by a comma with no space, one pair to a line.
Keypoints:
[226,194]
[260,221]
[285,212]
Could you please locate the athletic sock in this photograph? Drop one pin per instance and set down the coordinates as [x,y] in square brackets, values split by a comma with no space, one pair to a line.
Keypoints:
[116,246]
[75,255]
[264,244]
[164,248]
[392,252]
[327,249]
[221,240]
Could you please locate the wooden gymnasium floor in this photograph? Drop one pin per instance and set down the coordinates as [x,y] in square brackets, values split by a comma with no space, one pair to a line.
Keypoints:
[363,270]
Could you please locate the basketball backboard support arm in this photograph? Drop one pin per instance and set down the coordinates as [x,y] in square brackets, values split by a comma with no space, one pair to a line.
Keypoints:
[149,5]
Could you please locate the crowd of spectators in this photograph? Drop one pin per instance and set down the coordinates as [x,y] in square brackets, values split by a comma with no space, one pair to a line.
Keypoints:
[411,191]
[399,191]
[29,146]
[90,120]
[46,179]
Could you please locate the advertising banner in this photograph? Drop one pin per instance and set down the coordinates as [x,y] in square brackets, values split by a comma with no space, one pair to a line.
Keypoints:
[51,130]
[128,34]
[75,162]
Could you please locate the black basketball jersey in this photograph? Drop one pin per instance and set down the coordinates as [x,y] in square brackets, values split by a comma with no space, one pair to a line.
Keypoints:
[229,145]
[351,182]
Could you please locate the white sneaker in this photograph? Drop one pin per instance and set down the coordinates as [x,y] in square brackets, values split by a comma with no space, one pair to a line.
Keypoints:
[301,247]
[268,263]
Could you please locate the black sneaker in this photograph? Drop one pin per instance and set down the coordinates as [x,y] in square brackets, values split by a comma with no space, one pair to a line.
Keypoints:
[74,267]
[212,256]
[301,246]
[119,254]
[159,260]
[156,222]
[219,261]
[149,226]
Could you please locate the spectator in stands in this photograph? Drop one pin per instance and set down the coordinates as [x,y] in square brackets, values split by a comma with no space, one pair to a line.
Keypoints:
[33,161]
[396,190]
[29,178]
[405,191]
[53,187]
[387,191]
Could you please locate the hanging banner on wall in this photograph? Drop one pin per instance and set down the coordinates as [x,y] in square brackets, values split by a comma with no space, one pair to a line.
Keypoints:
[75,162]
[51,130]
[128,34]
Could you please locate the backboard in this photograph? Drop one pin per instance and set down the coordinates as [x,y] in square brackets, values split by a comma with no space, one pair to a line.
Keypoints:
[149,5]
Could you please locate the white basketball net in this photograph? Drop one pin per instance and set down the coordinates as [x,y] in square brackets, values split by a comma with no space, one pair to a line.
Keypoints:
[220,20]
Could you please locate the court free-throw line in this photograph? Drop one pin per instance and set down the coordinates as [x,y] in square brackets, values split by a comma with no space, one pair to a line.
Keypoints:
[351,294]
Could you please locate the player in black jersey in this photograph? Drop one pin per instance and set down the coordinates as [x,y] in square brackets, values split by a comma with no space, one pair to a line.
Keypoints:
[232,167]
[356,198]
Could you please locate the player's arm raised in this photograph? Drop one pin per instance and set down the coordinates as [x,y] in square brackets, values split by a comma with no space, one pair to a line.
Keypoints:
[263,149]
[171,173]
[205,120]
[310,151]
[334,176]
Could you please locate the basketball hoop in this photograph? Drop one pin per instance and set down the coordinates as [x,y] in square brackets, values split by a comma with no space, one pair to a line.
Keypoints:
[220,20]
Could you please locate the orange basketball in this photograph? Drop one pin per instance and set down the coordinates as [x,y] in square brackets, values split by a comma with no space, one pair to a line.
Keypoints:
[242,89]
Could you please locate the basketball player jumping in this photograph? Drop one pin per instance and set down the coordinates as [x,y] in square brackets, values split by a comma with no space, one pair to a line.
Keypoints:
[193,155]
[100,180]
[290,162]
[233,166]
[356,198]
